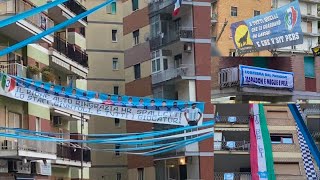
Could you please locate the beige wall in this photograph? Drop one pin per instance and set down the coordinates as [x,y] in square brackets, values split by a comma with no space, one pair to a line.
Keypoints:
[145,68]
[109,173]
[76,38]
[101,15]
[149,173]
[245,11]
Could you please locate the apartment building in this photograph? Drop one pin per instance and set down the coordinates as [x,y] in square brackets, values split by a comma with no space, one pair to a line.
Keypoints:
[310,19]
[224,13]
[226,79]
[168,57]
[232,142]
[59,58]
[105,44]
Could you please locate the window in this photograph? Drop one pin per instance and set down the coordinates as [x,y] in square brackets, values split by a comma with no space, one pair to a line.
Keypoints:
[309,26]
[118,176]
[156,65]
[165,64]
[177,60]
[136,37]
[140,174]
[114,35]
[112,8]
[309,67]
[137,71]
[256,13]
[281,139]
[232,53]
[309,9]
[135,5]
[38,124]
[15,120]
[115,64]
[117,153]
[117,122]
[234,11]
[116,90]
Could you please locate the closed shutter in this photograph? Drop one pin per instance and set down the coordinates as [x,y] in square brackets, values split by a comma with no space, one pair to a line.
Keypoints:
[309,67]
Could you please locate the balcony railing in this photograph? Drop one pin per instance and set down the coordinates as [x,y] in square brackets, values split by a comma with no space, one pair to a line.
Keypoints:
[183,70]
[71,51]
[76,7]
[156,5]
[174,35]
[28,145]
[13,68]
[311,109]
[14,7]
[72,152]
[232,119]
[231,146]
[235,175]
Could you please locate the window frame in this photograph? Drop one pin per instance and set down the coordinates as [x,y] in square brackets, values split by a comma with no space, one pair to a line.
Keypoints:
[232,11]
[137,76]
[117,64]
[117,153]
[282,136]
[114,90]
[116,35]
[254,13]
[313,70]
[116,122]
[110,8]
[136,37]
[140,170]
[135,8]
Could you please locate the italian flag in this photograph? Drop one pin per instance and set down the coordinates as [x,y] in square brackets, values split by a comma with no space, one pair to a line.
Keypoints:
[7,83]
[177,5]
[261,158]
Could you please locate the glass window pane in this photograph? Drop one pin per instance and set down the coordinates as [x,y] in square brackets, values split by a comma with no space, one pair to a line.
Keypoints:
[158,64]
[153,66]
[287,141]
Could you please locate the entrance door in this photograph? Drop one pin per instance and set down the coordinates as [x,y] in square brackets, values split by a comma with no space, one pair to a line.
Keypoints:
[183,172]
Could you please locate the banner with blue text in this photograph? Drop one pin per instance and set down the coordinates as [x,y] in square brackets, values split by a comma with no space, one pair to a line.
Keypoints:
[262,77]
[141,109]
[278,28]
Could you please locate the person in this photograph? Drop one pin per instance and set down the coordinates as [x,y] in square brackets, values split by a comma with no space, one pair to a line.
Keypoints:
[108,101]
[152,105]
[185,108]
[84,97]
[51,90]
[41,88]
[119,102]
[32,85]
[63,92]
[96,98]
[130,103]
[141,104]
[175,107]
[74,94]
[193,115]
[164,106]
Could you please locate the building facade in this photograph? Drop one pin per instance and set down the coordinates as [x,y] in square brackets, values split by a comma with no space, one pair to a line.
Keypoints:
[226,78]
[232,142]
[59,58]
[105,45]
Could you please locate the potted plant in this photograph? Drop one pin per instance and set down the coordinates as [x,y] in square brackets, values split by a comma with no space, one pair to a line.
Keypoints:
[48,74]
[33,70]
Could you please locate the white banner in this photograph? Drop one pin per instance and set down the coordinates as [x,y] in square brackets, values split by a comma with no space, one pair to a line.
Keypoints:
[265,77]
[94,108]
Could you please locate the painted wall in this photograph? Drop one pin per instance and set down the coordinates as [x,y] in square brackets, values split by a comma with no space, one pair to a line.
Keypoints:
[38,53]
[149,173]
[145,68]
[78,39]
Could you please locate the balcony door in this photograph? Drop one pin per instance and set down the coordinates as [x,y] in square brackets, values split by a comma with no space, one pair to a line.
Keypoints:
[177,61]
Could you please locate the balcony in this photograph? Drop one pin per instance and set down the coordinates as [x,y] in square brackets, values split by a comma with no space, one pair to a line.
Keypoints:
[13,68]
[214,18]
[185,34]
[72,59]
[156,5]
[17,148]
[311,109]
[184,71]
[70,155]
[235,175]
[232,120]
[24,28]
[68,10]
[229,83]
[232,146]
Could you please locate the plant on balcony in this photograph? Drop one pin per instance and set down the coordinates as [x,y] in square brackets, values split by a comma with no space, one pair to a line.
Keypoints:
[33,70]
[48,74]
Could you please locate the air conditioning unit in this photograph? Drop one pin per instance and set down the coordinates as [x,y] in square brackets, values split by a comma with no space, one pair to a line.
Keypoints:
[187,47]
[12,166]
[56,121]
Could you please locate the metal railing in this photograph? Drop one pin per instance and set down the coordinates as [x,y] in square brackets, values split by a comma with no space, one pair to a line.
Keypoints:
[28,145]
[229,77]
[247,176]
[231,145]
[183,70]
[76,7]
[174,35]
[310,109]
[71,51]
[156,5]
[232,119]
[40,20]
[73,152]
[13,68]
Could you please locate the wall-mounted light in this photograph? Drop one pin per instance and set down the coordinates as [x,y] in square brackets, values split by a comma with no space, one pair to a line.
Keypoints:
[182,161]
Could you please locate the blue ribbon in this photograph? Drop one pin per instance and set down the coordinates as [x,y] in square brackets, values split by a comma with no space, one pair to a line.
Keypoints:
[30,12]
[53,29]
